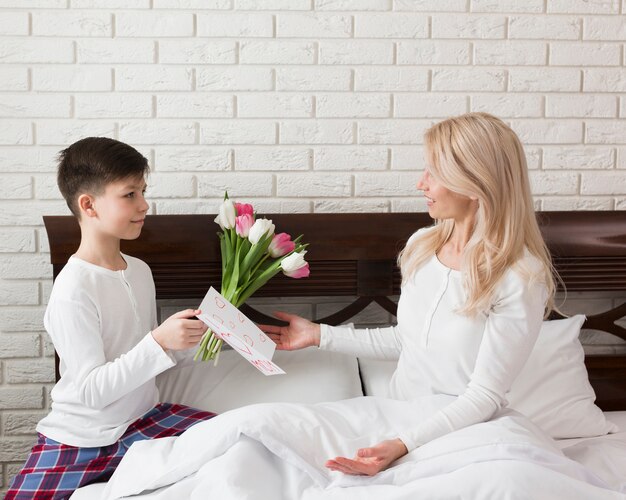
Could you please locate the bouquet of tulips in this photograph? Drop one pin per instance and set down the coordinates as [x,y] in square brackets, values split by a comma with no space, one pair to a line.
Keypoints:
[251,255]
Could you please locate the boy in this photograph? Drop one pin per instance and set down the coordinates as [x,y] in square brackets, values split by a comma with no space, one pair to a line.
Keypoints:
[102,320]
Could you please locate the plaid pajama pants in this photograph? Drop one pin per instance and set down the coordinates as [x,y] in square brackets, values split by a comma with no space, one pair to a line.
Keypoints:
[54,470]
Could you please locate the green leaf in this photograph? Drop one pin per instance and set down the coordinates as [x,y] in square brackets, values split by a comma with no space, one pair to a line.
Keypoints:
[256,253]
[223,253]
[234,277]
[227,277]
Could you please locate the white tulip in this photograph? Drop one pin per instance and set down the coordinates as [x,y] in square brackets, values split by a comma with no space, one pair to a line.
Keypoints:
[293,262]
[227,215]
[260,228]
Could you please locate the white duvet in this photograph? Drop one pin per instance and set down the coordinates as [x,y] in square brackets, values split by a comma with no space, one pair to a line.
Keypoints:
[278,450]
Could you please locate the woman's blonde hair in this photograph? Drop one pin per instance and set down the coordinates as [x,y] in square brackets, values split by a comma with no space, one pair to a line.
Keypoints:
[478,155]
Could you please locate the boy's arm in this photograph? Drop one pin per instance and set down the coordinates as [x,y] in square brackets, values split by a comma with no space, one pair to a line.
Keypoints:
[185,358]
[74,328]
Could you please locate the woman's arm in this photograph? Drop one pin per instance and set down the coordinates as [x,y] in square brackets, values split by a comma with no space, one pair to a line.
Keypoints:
[373,343]
[378,343]
[511,331]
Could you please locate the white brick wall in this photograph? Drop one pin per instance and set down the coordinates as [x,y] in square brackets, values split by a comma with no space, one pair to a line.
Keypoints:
[296,105]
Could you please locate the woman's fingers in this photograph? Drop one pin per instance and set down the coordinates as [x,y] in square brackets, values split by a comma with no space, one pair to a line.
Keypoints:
[275,338]
[287,317]
[333,465]
[270,328]
[280,341]
[349,466]
[369,461]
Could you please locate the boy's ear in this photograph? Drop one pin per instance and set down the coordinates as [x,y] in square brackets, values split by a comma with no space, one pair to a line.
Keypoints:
[86,206]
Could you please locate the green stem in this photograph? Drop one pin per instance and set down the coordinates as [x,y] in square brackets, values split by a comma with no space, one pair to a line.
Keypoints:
[203,344]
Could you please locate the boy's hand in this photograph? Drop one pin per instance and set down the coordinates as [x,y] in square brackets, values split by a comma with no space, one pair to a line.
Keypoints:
[180,331]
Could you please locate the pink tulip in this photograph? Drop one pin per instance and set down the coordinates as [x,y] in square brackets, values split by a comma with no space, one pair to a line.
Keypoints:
[281,245]
[243,223]
[302,272]
[244,209]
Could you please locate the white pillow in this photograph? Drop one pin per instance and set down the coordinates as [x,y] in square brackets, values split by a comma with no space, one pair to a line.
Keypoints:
[376,375]
[312,376]
[552,389]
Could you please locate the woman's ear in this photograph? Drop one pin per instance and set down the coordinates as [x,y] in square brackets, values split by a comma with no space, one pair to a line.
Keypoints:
[85,204]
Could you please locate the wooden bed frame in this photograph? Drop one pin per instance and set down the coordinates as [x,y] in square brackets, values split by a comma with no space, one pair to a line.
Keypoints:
[354,255]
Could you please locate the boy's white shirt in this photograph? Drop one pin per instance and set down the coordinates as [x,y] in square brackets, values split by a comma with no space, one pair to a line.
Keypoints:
[100,322]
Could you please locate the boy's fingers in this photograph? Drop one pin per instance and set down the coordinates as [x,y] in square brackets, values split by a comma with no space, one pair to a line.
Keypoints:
[187,313]
[194,324]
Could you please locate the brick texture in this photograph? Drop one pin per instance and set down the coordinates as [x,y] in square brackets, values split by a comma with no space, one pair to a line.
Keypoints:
[295,105]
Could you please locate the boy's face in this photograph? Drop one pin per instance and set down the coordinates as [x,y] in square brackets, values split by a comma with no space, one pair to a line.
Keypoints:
[120,211]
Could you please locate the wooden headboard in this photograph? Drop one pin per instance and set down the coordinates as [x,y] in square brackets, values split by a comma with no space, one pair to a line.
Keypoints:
[354,255]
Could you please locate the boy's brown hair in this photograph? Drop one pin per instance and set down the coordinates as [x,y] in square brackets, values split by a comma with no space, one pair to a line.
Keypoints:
[88,165]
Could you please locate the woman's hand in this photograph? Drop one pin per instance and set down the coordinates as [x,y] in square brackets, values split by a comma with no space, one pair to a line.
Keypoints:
[298,334]
[370,461]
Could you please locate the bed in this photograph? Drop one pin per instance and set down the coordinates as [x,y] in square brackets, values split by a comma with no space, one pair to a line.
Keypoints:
[353,255]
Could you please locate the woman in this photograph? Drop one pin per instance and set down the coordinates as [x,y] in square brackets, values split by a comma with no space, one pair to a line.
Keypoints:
[476,287]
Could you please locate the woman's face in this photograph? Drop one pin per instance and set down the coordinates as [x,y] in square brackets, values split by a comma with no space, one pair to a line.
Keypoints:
[443,203]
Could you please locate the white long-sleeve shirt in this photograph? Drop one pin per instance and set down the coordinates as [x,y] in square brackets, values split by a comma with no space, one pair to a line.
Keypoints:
[442,352]
[100,322]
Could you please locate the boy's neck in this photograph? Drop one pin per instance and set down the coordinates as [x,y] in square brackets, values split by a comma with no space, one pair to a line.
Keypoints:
[100,251]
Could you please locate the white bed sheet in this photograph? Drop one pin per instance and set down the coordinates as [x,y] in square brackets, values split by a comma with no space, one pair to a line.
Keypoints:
[605,456]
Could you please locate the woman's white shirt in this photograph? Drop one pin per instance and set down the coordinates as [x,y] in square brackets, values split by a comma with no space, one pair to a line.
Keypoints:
[442,352]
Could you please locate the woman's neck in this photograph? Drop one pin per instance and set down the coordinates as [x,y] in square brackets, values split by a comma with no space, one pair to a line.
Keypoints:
[461,234]
[451,253]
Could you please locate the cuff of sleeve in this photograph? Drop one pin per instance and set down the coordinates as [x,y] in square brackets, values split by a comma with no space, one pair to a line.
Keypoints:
[408,441]
[334,338]
[156,351]
[324,336]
